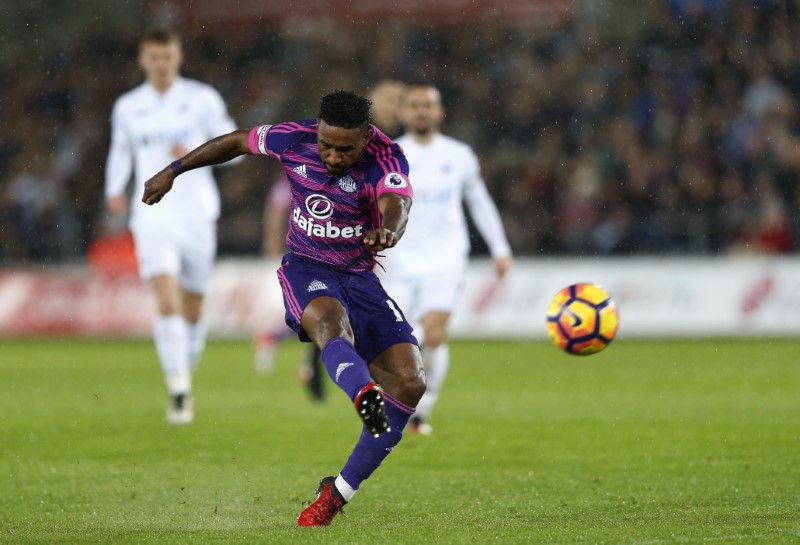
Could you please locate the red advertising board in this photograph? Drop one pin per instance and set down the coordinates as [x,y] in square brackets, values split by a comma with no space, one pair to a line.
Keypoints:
[73,302]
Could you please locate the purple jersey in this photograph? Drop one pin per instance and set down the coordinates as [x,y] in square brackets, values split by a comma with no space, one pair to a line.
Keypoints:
[331,214]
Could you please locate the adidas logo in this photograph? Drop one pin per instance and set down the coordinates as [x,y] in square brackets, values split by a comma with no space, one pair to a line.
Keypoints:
[301,170]
[341,368]
[316,285]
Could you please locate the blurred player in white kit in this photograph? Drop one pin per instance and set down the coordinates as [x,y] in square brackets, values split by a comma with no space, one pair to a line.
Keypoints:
[153,124]
[424,274]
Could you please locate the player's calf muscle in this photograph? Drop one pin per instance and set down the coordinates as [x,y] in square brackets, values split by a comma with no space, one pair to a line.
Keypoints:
[399,371]
[406,387]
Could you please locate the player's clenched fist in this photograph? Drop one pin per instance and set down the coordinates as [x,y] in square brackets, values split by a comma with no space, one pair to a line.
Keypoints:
[380,239]
[159,185]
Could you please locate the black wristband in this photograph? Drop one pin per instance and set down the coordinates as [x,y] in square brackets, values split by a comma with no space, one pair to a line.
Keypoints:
[176,167]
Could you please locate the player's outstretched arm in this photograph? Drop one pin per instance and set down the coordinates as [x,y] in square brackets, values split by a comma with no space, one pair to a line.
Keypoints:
[394,212]
[218,150]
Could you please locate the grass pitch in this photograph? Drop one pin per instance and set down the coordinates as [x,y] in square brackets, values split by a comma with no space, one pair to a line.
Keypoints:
[647,442]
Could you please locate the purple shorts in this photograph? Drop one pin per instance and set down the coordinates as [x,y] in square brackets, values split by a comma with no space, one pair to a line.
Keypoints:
[377,321]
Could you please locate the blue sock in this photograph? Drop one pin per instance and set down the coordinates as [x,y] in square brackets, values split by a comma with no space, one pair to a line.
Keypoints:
[370,450]
[347,369]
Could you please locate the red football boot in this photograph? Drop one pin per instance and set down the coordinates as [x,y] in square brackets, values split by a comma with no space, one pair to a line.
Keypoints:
[328,503]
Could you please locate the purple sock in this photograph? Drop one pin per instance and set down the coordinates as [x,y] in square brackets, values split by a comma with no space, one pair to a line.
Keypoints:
[370,451]
[347,369]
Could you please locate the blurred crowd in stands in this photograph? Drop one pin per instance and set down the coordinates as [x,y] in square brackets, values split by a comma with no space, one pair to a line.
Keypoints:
[671,129]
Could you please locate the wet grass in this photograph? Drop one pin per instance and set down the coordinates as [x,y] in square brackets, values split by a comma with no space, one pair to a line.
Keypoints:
[649,442]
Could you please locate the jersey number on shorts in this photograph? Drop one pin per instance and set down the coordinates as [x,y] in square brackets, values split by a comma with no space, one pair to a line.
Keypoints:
[397,316]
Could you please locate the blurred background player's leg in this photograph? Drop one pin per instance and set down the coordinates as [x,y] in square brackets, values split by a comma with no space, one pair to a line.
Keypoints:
[273,246]
[171,336]
[159,254]
[312,373]
[265,344]
[179,268]
[436,357]
[192,304]
[437,298]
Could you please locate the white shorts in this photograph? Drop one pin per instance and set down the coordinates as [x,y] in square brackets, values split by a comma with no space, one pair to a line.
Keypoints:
[184,250]
[419,294]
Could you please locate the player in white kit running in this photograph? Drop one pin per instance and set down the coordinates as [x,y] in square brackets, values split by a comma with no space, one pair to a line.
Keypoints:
[424,273]
[153,124]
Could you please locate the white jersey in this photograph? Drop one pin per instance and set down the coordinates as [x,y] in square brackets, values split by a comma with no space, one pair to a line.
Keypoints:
[145,126]
[445,173]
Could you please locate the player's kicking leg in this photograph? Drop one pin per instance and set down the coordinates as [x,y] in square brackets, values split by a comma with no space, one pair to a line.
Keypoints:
[351,373]
[399,370]
[384,339]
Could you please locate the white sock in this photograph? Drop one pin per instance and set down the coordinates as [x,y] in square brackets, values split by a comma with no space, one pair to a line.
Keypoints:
[344,488]
[437,364]
[197,342]
[172,344]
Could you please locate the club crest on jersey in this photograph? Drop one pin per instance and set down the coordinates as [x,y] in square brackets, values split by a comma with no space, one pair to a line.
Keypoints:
[347,184]
[395,180]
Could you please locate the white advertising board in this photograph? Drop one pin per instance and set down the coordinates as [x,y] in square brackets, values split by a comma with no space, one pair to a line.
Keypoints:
[656,297]
[666,297]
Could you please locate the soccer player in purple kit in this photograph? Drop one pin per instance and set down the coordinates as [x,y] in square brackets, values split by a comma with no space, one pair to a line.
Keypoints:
[350,200]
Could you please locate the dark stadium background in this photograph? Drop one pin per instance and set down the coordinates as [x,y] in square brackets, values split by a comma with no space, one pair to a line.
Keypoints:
[603,127]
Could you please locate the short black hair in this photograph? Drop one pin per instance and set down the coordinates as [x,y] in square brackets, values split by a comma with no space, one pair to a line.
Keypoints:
[346,110]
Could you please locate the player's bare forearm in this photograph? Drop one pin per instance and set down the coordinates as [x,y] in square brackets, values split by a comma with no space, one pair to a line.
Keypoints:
[215,151]
[394,212]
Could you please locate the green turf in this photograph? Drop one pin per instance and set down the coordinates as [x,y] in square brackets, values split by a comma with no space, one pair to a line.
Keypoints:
[648,442]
